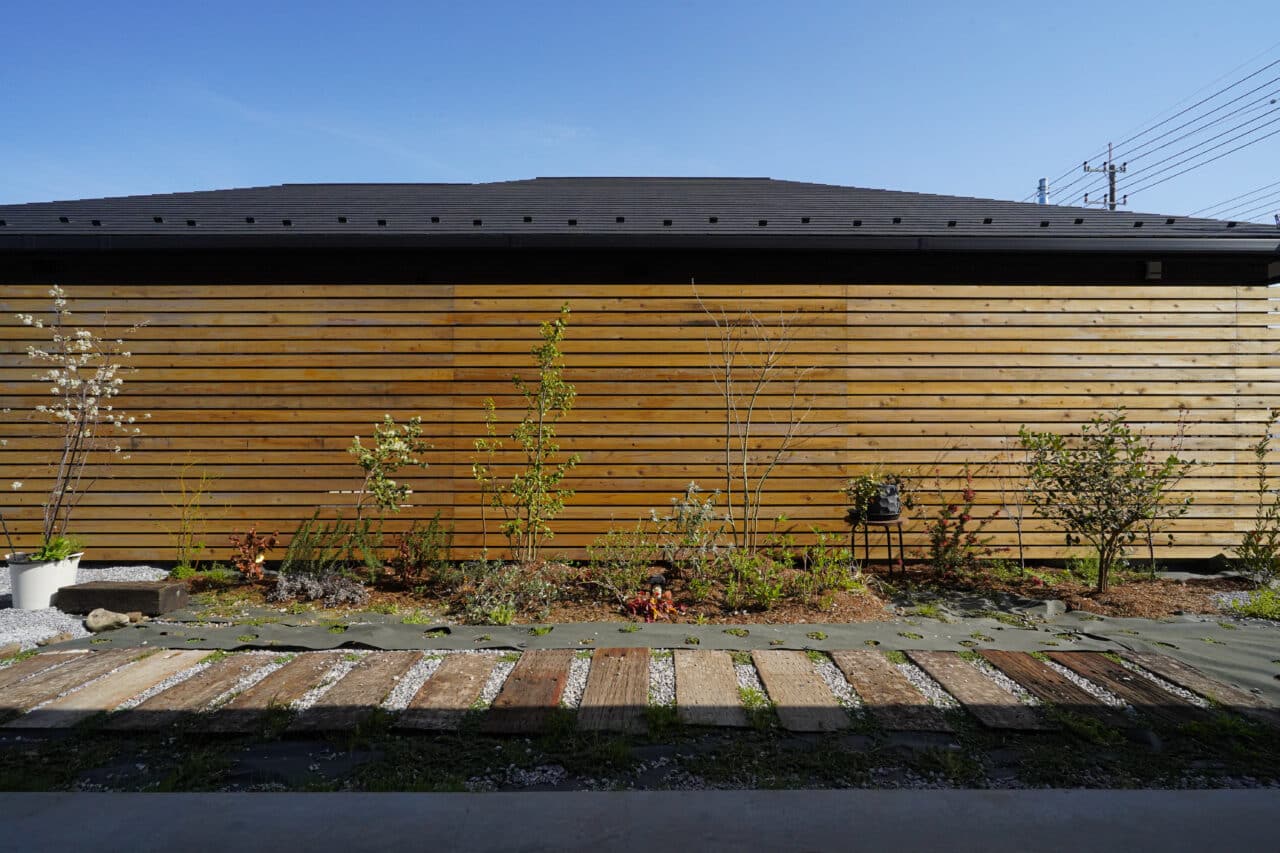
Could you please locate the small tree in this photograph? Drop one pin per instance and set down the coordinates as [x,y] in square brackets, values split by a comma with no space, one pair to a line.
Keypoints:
[1015,492]
[394,447]
[1100,485]
[1259,550]
[532,497]
[1162,512]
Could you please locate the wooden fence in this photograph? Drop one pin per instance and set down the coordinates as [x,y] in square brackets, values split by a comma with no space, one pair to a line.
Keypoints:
[263,386]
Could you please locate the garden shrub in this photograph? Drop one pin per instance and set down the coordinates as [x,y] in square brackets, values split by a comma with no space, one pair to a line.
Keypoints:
[956,541]
[249,552]
[332,589]
[690,538]
[828,566]
[621,560]
[1259,550]
[490,592]
[332,547]
[753,580]
[422,553]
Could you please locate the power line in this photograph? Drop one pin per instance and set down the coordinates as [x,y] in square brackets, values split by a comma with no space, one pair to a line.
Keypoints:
[1263,102]
[1205,163]
[1271,204]
[1233,198]
[1202,143]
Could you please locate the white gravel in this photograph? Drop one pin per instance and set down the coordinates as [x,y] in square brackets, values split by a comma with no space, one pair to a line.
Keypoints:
[497,678]
[662,678]
[27,627]
[577,682]
[839,685]
[409,685]
[931,689]
[1097,691]
[1169,686]
[748,678]
[252,678]
[1226,600]
[1004,681]
[333,676]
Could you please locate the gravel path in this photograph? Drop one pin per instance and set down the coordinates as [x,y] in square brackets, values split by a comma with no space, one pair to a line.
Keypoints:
[1004,681]
[931,689]
[1168,686]
[662,677]
[332,677]
[497,678]
[838,683]
[1097,691]
[27,627]
[577,682]
[176,678]
[408,686]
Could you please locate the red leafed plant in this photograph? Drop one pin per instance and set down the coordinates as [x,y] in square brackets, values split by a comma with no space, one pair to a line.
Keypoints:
[249,552]
[653,606]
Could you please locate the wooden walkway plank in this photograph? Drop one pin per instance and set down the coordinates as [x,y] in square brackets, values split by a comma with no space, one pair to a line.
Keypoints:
[189,697]
[707,690]
[531,694]
[1049,685]
[108,692]
[803,701]
[993,705]
[887,694]
[281,688]
[15,672]
[25,695]
[617,692]
[445,698]
[355,696]
[1187,676]
[1140,692]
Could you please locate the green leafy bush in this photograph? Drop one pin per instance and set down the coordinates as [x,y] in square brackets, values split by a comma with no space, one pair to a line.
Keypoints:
[690,536]
[489,592]
[339,546]
[1259,550]
[621,560]
[422,552]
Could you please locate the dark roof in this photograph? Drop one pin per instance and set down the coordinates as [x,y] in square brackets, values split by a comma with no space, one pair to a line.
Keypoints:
[606,211]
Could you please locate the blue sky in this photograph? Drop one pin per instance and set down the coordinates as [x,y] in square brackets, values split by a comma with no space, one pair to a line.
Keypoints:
[957,98]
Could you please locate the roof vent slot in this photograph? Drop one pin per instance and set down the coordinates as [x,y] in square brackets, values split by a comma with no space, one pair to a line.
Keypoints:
[1137,224]
[857,223]
[666,223]
[804,220]
[713,219]
[157,219]
[435,220]
[986,220]
[951,223]
[1079,220]
[382,223]
[3,223]
[528,219]
[287,223]
[763,222]
[475,223]
[64,220]
[1231,225]
[191,223]
[619,219]
[95,222]
[342,220]
[1044,223]
[1170,221]
[573,222]
[250,220]
[897,220]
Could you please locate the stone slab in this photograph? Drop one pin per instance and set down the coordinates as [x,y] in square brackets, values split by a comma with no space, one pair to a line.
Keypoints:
[803,701]
[25,695]
[531,693]
[617,692]
[357,694]
[152,598]
[445,698]
[993,705]
[887,694]
[707,690]
[1186,675]
[1140,692]
[282,688]
[189,697]
[108,692]
[1049,685]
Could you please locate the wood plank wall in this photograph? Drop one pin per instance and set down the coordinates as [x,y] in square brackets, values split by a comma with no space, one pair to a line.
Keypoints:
[264,386]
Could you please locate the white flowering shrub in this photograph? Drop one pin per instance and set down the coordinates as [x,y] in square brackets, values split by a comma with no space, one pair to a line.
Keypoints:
[84,374]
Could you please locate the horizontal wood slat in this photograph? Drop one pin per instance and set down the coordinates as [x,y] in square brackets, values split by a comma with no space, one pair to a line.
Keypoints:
[263,385]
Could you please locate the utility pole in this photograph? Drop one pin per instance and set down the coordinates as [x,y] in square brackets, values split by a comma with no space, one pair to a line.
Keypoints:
[1111,171]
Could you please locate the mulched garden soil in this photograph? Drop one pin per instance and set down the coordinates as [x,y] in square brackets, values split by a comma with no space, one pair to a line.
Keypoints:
[1134,595]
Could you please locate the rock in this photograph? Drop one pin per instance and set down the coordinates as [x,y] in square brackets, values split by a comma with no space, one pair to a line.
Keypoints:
[135,616]
[10,650]
[105,620]
[60,637]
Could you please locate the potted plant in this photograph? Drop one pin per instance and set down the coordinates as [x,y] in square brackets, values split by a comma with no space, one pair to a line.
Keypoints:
[84,374]
[874,496]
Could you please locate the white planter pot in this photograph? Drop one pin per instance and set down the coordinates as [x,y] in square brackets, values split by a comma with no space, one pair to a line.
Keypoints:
[34,584]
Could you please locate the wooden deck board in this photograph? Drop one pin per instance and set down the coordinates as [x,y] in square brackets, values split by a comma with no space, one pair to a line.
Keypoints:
[993,705]
[356,695]
[532,692]
[189,697]
[1049,685]
[25,695]
[617,692]
[281,688]
[887,694]
[108,692]
[1185,675]
[803,701]
[445,698]
[15,672]
[707,690]
[1142,693]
